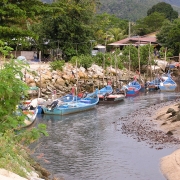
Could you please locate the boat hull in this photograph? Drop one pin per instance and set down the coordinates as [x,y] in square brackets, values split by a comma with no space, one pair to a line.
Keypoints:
[167,88]
[133,88]
[68,109]
[168,85]
[63,108]
[130,93]
[113,98]
[153,88]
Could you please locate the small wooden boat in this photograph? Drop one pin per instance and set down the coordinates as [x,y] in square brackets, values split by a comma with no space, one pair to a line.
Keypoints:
[61,108]
[28,111]
[133,88]
[106,95]
[30,116]
[168,84]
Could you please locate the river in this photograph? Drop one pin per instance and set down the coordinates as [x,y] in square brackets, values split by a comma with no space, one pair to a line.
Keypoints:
[91,145]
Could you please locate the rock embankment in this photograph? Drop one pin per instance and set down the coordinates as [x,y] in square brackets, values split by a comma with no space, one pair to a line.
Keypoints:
[48,80]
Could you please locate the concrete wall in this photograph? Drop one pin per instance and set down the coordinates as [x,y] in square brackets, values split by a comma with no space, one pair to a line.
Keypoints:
[29,55]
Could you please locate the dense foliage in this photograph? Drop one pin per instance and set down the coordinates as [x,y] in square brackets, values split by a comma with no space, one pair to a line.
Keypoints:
[64,29]
[68,26]
[149,24]
[16,19]
[165,9]
[133,56]
[169,36]
[13,139]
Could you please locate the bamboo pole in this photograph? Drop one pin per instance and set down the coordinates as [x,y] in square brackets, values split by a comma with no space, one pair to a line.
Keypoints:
[116,70]
[165,55]
[77,79]
[103,68]
[150,61]
[129,62]
[139,58]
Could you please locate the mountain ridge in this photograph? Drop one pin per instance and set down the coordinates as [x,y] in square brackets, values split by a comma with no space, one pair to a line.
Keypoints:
[131,10]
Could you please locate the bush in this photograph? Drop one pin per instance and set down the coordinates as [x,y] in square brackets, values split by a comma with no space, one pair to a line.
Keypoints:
[82,60]
[57,65]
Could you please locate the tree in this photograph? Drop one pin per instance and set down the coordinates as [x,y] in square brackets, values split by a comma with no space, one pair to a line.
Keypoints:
[16,18]
[106,24]
[131,55]
[164,8]
[149,24]
[169,36]
[68,26]
[116,34]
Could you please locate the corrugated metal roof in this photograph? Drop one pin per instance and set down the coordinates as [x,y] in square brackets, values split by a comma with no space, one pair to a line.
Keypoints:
[135,39]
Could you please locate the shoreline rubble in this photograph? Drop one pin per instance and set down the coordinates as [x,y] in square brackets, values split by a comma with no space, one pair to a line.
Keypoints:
[158,128]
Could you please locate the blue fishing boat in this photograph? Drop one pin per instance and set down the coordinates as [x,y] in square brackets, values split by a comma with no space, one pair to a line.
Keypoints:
[153,85]
[133,88]
[107,89]
[168,84]
[61,108]
[69,98]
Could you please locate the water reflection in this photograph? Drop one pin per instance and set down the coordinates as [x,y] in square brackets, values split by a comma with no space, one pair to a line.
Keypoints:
[89,145]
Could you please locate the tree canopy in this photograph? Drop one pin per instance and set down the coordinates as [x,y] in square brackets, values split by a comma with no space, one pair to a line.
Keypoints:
[169,36]
[149,24]
[68,26]
[15,20]
[164,8]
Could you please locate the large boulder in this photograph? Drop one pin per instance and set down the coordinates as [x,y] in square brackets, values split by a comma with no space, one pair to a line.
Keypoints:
[60,81]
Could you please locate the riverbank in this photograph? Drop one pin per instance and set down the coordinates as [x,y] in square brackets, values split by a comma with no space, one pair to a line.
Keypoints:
[170,165]
[159,130]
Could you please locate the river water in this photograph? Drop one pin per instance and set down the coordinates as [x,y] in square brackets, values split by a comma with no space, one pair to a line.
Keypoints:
[91,146]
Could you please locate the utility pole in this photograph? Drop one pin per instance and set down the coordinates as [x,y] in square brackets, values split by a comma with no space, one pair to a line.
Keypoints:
[129,29]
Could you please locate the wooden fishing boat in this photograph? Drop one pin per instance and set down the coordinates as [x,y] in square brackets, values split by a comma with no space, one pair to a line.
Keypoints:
[106,95]
[30,116]
[28,111]
[133,88]
[61,108]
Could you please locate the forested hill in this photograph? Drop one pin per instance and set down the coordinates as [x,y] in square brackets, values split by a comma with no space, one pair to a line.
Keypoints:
[130,9]
[133,9]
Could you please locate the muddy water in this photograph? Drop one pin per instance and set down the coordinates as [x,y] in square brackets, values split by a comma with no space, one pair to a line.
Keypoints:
[92,145]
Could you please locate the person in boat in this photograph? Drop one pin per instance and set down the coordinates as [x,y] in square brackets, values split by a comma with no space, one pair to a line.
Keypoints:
[54,104]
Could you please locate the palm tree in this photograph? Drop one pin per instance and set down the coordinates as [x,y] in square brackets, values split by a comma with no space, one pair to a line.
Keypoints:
[115,34]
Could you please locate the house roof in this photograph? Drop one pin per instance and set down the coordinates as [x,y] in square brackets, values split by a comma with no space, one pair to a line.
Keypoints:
[135,40]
